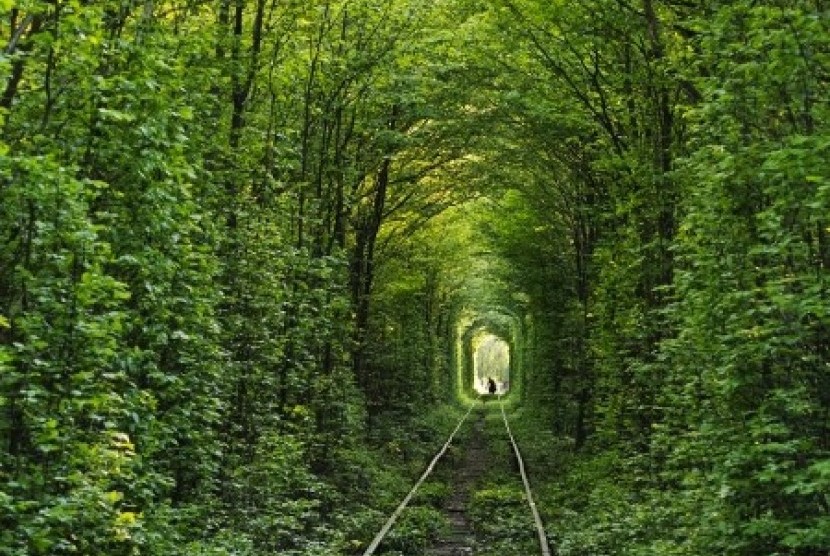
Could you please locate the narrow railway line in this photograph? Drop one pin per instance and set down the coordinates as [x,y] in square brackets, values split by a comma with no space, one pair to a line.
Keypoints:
[461,536]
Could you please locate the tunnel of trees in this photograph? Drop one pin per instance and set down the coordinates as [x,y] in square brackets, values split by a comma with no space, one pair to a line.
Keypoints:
[250,248]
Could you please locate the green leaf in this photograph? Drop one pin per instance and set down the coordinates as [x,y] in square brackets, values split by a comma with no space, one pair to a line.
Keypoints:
[116,115]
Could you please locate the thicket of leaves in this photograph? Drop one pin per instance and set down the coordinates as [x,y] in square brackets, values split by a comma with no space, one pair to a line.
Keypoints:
[671,229]
[190,200]
[215,271]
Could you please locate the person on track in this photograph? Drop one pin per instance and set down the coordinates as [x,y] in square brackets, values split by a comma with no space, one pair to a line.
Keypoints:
[491,386]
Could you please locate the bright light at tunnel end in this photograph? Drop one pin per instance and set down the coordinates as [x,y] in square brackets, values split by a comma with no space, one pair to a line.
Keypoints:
[491,360]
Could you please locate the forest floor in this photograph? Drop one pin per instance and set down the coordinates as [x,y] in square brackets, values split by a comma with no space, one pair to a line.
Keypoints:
[486,510]
[460,537]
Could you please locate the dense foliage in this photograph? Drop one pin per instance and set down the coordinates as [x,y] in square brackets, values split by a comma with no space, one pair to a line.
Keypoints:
[190,199]
[674,187]
[245,246]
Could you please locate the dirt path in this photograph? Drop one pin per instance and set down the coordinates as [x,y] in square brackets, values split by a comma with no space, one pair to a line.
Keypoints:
[460,539]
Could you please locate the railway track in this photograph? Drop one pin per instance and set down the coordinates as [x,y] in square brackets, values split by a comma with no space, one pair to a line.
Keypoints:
[461,540]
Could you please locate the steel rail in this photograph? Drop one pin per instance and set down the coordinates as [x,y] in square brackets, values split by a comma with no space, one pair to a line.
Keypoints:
[540,528]
[396,514]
